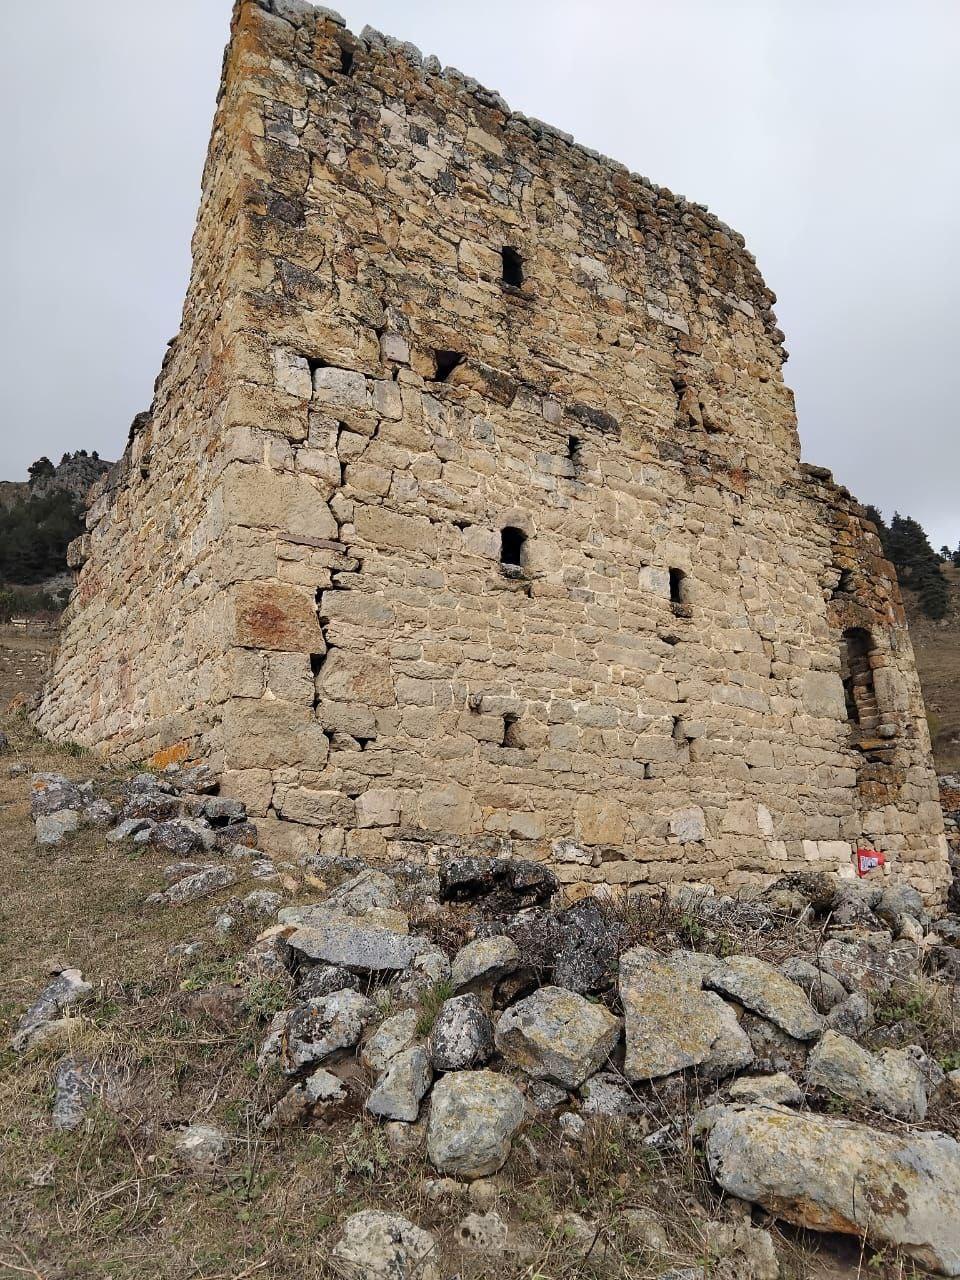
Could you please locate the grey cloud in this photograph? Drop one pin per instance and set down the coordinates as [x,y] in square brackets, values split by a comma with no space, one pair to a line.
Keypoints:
[825,132]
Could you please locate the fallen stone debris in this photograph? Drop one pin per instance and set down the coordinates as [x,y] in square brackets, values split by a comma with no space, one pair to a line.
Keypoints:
[462,1001]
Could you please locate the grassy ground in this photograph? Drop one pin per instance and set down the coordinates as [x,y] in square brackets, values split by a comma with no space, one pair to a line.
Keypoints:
[109,1200]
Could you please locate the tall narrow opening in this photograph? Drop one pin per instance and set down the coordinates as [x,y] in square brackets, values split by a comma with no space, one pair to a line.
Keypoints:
[678,586]
[512,266]
[856,671]
[512,540]
[346,61]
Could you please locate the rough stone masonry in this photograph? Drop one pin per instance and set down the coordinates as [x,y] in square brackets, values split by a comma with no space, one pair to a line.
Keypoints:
[469,510]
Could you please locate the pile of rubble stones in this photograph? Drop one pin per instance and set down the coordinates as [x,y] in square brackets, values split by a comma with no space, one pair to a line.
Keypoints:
[556,1011]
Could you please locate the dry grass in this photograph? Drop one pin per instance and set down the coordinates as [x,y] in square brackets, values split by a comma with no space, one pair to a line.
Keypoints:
[109,1201]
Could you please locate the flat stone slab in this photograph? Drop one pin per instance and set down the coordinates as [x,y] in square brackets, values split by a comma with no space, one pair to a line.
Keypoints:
[557,1035]
[762,988]
[361,947]
[833,1175]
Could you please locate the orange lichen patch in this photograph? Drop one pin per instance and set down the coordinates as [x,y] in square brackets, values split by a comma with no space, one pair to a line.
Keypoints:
[175,754]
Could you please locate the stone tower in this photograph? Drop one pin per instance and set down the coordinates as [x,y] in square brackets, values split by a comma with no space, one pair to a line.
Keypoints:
[469,510]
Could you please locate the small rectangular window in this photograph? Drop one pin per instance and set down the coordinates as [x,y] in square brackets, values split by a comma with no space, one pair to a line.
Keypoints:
[512,266]
[446,362]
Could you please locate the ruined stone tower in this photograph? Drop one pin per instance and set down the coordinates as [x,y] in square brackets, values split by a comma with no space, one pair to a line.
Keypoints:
[469,510]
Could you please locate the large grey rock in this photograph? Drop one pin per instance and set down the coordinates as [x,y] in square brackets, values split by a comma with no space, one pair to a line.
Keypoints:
[398,1092]
[52,829]
[852,1017]
[484,960]
[363,892]
[364,948]
[473,1117]
[319,1028]
[890,1081]
[822,989]
[200,884]
[181,836]
[762,988]
[587,947]
[393,1036]
[778,1087]
[462,1035]
[826,1174]
[671,1023]
[52,792]
[67,989]
[78,1083]
[374,1245]
[202,1148]
[323,979]
[868,964]
[557,1035]
[607,1094]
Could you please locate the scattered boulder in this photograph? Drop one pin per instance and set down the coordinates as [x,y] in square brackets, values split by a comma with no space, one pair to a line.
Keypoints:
[473,1117]
[499,885]
[180,836]
[851,1017]
[320,1090]
[314,981]
[53,828]
[129,828]
[557,1035]
[374,1245]
[776,1088]
[67,989]
[485,960]
[52,793]
[822,988]
[485,1233]
[868,964]
[588,944]
[762,988]
[462,1035]
[362,947]
[890,1081]
[398,1092]
[316,1030]
[740,1251]
[773,1049]
[200,884]
[78,1083]
[607,1094]
[671,1023]
[202,1148]
[363,893]
[394,1035]
[827,1174]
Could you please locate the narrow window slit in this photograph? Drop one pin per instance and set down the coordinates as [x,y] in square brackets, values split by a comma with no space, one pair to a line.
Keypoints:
[678,586]
[446,362]
[510,730]
[346,61]
[573,448]
[512,266]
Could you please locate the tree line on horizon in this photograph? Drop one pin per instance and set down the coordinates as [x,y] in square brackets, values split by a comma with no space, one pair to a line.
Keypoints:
[906,545]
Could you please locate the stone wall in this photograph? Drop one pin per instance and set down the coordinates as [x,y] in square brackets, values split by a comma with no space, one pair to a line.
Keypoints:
[474,483]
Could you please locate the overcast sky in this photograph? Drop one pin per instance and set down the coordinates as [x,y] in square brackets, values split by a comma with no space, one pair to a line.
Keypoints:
[825,130]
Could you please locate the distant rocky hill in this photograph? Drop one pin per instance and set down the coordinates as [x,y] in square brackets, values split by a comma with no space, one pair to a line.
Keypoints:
[75,473]
[937,646]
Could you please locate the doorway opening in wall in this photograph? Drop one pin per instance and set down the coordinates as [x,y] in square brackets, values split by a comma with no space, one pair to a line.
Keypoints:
[512,542]
[856,671]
